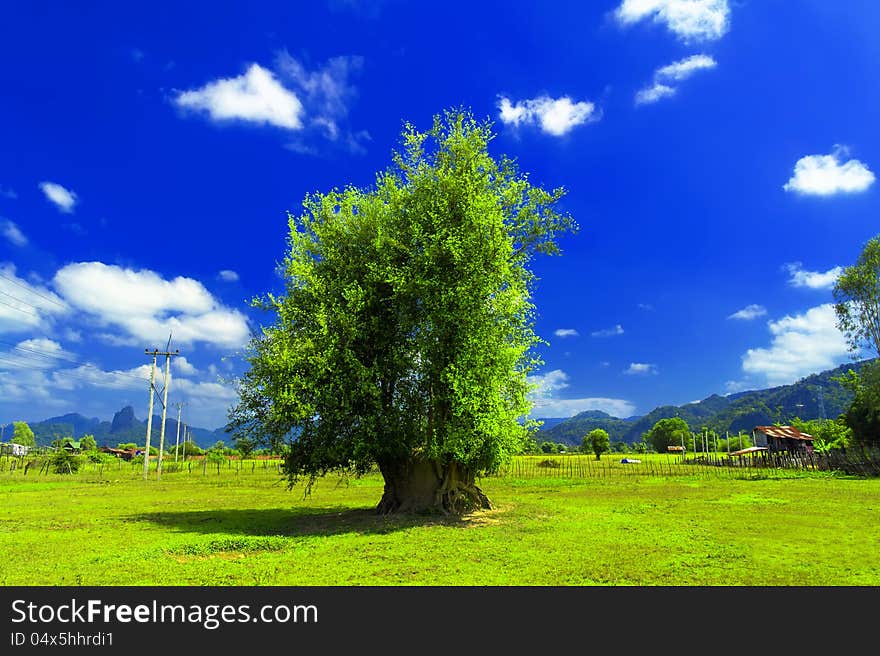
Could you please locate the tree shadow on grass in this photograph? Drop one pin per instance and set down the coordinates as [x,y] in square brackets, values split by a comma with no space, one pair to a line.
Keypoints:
[297,521]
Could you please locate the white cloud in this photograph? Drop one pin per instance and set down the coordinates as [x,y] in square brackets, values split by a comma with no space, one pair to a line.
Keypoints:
[749,312]
[825,175]
[184,366]
[640,369]
[690,20]
[228,276]
[327,90]
[545,402]
[570,407]
[733,386]
[798,277]
[665,76]
[37,353]
[653,93]
[147,307]
[684,68]
[608,332]
[802,344]
[255,96]
[554,116]
[12,233]
[63,199]
[25,306]
[565,332]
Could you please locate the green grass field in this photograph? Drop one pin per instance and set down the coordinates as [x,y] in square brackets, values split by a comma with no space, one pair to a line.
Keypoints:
[617,528]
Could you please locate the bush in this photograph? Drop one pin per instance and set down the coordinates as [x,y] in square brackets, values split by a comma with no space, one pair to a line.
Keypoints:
[98,456]
[63,462]
[553,464]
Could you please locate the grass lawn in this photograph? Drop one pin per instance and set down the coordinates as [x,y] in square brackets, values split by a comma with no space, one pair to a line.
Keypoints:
[248,529]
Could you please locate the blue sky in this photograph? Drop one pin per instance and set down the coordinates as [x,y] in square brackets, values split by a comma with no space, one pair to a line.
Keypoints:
[720,158]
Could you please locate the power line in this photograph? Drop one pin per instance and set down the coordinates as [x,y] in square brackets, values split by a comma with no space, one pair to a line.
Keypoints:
[33,314]
[33,291]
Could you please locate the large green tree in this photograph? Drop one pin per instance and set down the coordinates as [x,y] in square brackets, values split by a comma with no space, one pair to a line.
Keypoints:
[857,300]
[668,432]
[597,441]
[22,434]
[857,305]
[404,335]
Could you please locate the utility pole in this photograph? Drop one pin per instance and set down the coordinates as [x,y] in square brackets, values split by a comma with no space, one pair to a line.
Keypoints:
[150,414]
[177,440]
[168,354]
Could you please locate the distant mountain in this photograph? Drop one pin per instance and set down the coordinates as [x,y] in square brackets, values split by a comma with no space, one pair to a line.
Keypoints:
[125,427]
[814,397]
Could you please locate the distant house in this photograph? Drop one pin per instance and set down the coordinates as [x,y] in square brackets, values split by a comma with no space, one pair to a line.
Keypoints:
[14,449]
[72,446]
[782,438]
[125,454]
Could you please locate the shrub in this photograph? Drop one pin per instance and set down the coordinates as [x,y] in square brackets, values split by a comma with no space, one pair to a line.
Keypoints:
[63,462]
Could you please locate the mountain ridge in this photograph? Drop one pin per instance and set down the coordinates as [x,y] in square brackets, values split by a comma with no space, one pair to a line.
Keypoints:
[808,398]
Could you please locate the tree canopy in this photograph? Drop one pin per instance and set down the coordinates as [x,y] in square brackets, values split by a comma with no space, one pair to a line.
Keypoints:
[668,432]
[857,299]
[404,334]
[597,441]
[22,434]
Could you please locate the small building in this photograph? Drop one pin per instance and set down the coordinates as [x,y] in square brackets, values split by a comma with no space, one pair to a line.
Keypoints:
[14,449]
[72,446]
[782,438]
[125,454]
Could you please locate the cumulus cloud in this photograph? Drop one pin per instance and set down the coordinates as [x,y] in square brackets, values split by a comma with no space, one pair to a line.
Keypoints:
[255,96]
[64,199]
[689,20]
[184,366]
[228,276]
[12,233]
[146,307]
[25,306]
[826,175]
[640,369]
[546,403]
[802,344]
[565,332]
[608,332]
[553,116]
[749,312]
[666,76]
[798,277]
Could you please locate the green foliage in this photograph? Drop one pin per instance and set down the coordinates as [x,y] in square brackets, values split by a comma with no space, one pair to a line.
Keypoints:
[863,414]
[62,461]
[96,456]
[668,432]
[857,299]
[88,443]
[406,326]
[549,447]
[22,434]
[832,434]
[736,442]
[597,441]
[127,446]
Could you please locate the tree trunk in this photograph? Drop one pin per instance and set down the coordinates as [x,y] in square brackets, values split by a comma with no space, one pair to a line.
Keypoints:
[429,487]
